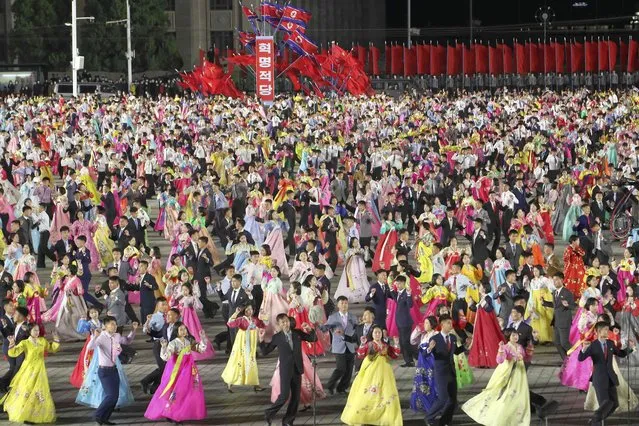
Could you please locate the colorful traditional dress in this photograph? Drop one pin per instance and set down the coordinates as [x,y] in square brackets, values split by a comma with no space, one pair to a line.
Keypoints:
[353,283]
[241,368]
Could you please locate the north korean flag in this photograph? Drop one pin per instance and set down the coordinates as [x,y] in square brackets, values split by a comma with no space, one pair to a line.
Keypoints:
[291,26]
[300,44]
[296,14]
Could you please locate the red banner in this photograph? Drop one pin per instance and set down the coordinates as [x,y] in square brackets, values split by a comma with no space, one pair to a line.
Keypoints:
[576,57]
[387,59]
[560,55]
[451,61]
[624,56]
[374,60]
[495,60]
[481,58]
[397,60]
[509,65]
[469,61]
[602,63]
[632,56]
[521,56]
[591,56]
[536,61]
[612,55]
[361,55]
[437,60]
[410,61]
[422,61]
[549,58]
[265,68]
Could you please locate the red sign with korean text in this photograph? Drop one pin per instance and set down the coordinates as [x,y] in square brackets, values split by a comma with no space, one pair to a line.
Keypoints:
[265,68]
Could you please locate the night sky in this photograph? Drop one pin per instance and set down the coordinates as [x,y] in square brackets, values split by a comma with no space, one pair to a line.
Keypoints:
[454,13]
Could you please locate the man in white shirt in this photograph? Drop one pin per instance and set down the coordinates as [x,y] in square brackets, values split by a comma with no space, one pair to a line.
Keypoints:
[42,223]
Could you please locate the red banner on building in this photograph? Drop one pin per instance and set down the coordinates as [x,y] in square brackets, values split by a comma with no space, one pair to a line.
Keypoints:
[265,68]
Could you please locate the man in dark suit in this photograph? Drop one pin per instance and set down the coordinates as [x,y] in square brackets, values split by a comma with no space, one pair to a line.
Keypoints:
[6,284]
[64,245]
[506,294]
[109,206]
[563,303]
[148,286]
[160,338]
[604,379]
[75,206]
[13,329]
[514,250]
[363,329]
[83,257]
[203,264]
[26,224]
[122,233]
[443,346]
[520,193]
[609,286]
[330,227]
[289,345]
[527,336]
[493,227]
[402,247]
[378,294]
[600,246]
[478,243]
[236,297]
[449,227]
[583,229]
[598,208]
[403,320]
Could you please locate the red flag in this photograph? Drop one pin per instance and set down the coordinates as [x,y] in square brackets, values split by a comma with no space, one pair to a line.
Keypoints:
[632,56]
[229,54]
[374,59]
[624,55]
[410,61]
[591,56]
[602,64]
[425,63]
[469,61]
[437,60]
[576,57]
[397,59]
[362,54]
[521,56]
[536,62]
[420,60]
[560,53]
[459,51]
[509,66]
[495,60]
[481,58]
[612,55]
[451,60]
[388,59]
[549,58]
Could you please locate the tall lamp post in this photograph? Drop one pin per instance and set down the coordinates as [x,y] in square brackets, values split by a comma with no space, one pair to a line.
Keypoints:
[130,54]
[77,62]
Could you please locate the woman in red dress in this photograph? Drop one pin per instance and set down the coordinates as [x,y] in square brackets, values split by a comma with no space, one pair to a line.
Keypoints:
[384,256]
[487,334]
[574,268]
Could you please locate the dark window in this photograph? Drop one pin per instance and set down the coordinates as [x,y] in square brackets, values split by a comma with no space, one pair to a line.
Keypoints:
[221,4]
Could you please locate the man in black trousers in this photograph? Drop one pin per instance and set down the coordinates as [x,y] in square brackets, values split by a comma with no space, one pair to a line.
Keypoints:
[289,213]
[443,346]
[604,379]
[563,303]
[342,324]
[166,334]
[289,345]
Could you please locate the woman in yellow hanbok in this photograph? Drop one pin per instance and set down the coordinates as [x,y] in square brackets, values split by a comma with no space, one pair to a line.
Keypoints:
[373,398]
[29,397]
[540,316]
[283,186]
[102,238]
[505,401]
[423,254]
[475,275]
[89,184]
[241,368]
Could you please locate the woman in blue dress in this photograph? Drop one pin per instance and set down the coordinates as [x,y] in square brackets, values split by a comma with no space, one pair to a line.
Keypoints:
[91,393]
[424,392]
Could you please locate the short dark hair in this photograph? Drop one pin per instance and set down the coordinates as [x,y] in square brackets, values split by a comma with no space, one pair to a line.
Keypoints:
[445,318]
[109,319]
[339,299]
[519,309]
[280,317]
[602,324]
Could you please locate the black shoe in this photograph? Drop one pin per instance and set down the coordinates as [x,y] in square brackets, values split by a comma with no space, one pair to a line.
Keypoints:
[547,409]
[217,344]
[145,387]
[408,364]
[268,421]
[331,391]
[150,340]
[342,392]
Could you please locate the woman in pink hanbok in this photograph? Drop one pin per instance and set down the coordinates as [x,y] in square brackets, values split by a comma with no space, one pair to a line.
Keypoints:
[180,396]
[353,283]
[367,197]
[60,215]
[576,374]
[189,303]
[274,229]
[84,227]
[273,303]
[313,300]
[172,210]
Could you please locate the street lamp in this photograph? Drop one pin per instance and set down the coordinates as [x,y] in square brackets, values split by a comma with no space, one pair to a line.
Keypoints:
[130,54]
[77,62]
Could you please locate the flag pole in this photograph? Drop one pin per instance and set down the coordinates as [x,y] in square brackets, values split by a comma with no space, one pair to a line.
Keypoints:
[290,65]
[281,17]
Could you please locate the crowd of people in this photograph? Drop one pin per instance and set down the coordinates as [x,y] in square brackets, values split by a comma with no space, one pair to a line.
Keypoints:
[439,213]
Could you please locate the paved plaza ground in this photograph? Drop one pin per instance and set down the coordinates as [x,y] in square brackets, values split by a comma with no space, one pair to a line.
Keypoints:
[244,407]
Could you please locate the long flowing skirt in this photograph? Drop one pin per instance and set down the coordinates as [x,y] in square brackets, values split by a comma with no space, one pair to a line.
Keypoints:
[384,257]
[253,227]
[353,283]
[424,392]
[627,399]
[29,397]
[241,368]
[91,391]
[308,382]
[273,304]
[486,338]
[275,241]
[505,400]
[78,374]
[104,245]
[185,399]
[373,398]
[72,309]
[60,219]
[574,373]
[463,373]
[192,322]
[391,326]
